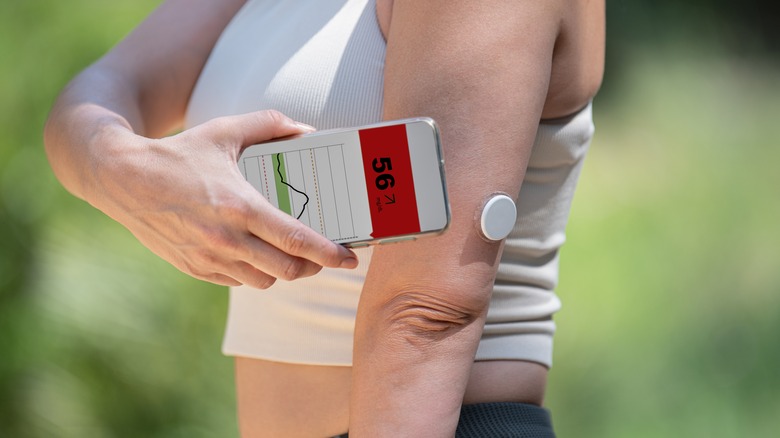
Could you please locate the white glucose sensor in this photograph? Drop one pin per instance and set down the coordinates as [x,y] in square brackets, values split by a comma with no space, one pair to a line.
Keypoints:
[498,217]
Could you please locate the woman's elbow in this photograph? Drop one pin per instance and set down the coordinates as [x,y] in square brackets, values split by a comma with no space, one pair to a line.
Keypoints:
[420,316]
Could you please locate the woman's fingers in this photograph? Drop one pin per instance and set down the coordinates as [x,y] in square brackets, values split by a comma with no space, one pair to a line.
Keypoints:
[292,237]
[262,257]
[244,260]
[220,279]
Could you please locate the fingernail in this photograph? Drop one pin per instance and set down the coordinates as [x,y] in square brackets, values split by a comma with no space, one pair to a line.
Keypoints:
[349,263]
[305,127]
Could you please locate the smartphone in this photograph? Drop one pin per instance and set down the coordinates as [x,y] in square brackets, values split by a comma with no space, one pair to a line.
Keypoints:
[359,186]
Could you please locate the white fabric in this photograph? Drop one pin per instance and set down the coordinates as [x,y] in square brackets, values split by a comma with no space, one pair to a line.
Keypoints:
[321,62]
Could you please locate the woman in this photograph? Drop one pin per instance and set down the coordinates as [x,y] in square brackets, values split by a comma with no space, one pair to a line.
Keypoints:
[487,72]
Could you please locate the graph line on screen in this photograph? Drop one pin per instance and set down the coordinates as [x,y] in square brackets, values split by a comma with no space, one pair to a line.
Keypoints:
[308,184]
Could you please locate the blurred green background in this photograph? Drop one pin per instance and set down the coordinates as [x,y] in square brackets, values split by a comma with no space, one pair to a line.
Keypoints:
[670,279]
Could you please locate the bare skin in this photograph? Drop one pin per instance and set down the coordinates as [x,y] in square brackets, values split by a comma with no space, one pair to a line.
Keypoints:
[416,333]
[574,77]
[281,399]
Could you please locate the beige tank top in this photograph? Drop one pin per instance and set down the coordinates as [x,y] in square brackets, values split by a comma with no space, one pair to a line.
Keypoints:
[321,62]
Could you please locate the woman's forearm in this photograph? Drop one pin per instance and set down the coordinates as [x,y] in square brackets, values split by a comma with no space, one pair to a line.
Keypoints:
[419,322]
[142,85]
[414,353]
[94,104]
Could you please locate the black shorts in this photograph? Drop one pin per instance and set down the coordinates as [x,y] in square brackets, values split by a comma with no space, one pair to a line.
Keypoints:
[502,420]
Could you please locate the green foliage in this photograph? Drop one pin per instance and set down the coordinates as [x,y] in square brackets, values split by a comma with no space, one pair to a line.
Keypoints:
[670,278]
[98,336]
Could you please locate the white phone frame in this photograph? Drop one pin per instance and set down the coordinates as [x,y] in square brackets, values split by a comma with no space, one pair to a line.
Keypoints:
[336,147]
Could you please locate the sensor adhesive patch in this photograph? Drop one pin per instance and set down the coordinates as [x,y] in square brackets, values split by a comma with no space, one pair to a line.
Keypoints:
[498,217]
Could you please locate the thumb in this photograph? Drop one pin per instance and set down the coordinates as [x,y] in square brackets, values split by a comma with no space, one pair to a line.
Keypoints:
[256,127]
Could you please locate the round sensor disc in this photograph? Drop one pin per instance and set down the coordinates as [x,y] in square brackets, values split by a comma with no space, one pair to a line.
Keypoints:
[498,217]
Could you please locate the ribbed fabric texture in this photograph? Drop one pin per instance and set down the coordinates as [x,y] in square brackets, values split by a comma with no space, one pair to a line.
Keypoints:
[519,322]
[504,420]
[318,61]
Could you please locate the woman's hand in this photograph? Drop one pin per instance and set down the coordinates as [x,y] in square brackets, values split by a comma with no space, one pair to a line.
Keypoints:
[184,198]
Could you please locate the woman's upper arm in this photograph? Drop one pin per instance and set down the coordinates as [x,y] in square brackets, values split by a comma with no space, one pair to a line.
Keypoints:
[481,70]
[160,61]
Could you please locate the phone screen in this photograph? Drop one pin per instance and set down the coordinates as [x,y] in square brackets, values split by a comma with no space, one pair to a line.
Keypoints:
[356,185]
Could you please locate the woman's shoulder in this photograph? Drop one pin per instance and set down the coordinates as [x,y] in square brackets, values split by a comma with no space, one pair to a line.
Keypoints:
[578,59]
